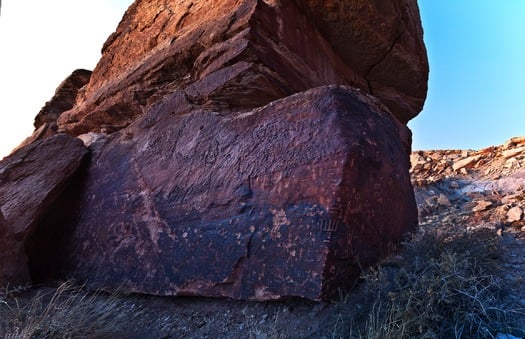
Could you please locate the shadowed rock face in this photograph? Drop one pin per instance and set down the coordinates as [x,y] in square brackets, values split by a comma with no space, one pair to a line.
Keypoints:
[285,200]
[235,55]
[31,179]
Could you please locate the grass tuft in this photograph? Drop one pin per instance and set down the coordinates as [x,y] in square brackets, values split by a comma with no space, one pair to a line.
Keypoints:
[68,311]
[448,287]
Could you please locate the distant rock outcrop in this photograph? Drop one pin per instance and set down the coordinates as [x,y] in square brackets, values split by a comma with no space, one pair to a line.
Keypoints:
[64,98]
[242,148]
[483,186]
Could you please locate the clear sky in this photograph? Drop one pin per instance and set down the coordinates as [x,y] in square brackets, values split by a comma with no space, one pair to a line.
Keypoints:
[476,95]
[476,50]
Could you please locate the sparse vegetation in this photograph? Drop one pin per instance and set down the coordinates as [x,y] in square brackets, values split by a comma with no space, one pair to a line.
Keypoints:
[448,286]
[68,311]
[440,286]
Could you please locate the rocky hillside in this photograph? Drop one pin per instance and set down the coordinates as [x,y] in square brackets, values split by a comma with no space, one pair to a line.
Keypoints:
[482,188]
[467,190]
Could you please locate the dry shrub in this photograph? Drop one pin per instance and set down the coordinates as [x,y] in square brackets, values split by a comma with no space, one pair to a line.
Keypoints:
[68,311]
[447,287]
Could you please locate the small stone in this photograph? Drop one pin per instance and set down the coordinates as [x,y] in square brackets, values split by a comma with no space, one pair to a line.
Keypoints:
[431,202]
[454,185]
[482,206]
[510,163]
[90,138]
[415,159]
[513,152]
[443,200]
[514,214]
[508,144]
[509,199]
[518,140]
[506,336]
[463,163]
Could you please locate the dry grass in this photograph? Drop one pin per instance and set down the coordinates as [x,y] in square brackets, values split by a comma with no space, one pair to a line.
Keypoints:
[447,287]
[65,312]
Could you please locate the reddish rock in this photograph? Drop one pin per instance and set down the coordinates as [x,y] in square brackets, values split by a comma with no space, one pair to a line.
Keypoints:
[514,214]
[233,55]
[383,42]
[216,169]
[64,97]
[63,100]
[31,179]
[290,199]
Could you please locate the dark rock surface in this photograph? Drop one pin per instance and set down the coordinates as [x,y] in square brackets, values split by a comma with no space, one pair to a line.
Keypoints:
[286,200]
[31,179]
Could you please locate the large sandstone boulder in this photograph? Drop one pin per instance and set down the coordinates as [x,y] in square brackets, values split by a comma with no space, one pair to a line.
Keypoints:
[232,55]
[236,150]
[31,179]
[290,199]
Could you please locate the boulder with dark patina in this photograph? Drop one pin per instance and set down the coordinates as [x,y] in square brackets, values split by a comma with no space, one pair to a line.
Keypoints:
[287,200]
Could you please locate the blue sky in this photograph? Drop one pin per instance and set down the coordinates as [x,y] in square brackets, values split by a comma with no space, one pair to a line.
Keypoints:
[476,50]
[476,95]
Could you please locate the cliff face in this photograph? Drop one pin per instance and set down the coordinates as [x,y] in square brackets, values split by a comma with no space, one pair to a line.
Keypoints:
[241,148]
